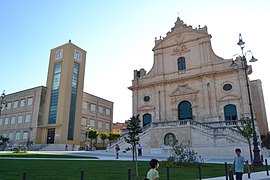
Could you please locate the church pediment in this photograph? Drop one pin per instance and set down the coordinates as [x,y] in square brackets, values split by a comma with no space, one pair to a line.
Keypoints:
[228,98]
[180,34]
[183,90]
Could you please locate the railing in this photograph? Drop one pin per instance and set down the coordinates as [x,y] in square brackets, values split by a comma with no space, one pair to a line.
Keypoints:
[231,123]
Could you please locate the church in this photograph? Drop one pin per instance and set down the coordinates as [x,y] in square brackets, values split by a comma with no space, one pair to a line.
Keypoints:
[193,96]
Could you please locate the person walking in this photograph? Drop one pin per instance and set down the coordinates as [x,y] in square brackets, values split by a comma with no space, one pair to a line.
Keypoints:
[117,149]
[139,150]
[238,162]
[66,148]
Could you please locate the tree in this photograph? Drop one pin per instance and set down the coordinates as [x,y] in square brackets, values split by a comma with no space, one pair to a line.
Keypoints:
[103,136]
[134,129]
[112,136]
[92,134]
[247,130]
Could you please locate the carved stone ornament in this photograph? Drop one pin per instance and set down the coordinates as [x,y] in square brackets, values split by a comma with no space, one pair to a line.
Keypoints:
[179,50]
[183,90]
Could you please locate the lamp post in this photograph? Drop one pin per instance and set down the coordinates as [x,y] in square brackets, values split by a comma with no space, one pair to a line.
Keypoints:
[2,101]
[256,150]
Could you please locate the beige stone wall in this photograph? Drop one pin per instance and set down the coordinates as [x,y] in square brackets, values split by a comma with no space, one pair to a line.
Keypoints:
[93,118]
[259,106]
[63,109]
[37,95]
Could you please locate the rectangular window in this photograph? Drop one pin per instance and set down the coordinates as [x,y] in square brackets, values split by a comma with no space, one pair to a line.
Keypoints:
[84,105]
[100,109]
[25,135]
[12,120]
[8,105]
[108,112]
[10,136]
[83,121]
[18,135]
[15,104]
[92,123]
[73,99]
[54,93]
[27,118]
[1,122]
[6,121]
[100,124]
[93,107]
[107,126]
[22,103]
[59,54]
[20,119]
[29,101]
[77,55]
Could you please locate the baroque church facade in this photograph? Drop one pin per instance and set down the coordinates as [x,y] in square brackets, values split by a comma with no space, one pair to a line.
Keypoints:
[193,96]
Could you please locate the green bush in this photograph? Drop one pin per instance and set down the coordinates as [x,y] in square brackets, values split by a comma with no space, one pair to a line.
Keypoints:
[25,150]
[183,156]
[17,150]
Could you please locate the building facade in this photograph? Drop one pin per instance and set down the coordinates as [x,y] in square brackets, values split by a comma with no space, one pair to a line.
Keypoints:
[97,113]
[55,114]
[21,115]
[191,94]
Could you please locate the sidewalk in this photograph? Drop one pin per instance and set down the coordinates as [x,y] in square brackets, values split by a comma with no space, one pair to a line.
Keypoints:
[254,176]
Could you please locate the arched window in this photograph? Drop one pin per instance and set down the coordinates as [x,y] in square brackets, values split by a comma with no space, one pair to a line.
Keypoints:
[230,112]
[147,119]
[181,62]
[184,110]
[169,139]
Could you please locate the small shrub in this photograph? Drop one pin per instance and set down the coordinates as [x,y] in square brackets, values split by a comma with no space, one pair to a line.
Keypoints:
[183,157]
[17,150]
[25,150]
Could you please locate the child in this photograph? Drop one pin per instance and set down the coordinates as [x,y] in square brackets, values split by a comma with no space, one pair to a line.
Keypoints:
[153,173]
[239,164]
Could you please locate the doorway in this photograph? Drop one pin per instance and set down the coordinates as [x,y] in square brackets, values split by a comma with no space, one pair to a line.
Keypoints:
[50,136]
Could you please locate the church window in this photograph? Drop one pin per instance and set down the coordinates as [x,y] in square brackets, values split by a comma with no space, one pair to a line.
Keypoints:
[169,139]
[227,87]
[181,62]
[230,112]
[147,119]
[146,98]
[184,110]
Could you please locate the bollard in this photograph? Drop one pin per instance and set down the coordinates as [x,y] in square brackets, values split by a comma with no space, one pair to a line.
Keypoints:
[266,167]
[200,172]
[168,173]
[82,173]
[24,176]
[129,174]
[226,170]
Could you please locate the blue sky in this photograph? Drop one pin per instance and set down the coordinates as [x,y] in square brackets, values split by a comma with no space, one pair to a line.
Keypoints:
[119,36]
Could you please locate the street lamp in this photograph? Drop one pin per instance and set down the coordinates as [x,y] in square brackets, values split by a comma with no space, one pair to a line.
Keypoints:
[256,150]
[2,101]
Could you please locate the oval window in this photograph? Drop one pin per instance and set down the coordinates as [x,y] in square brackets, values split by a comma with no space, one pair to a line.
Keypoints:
[227,87]
[146,98]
